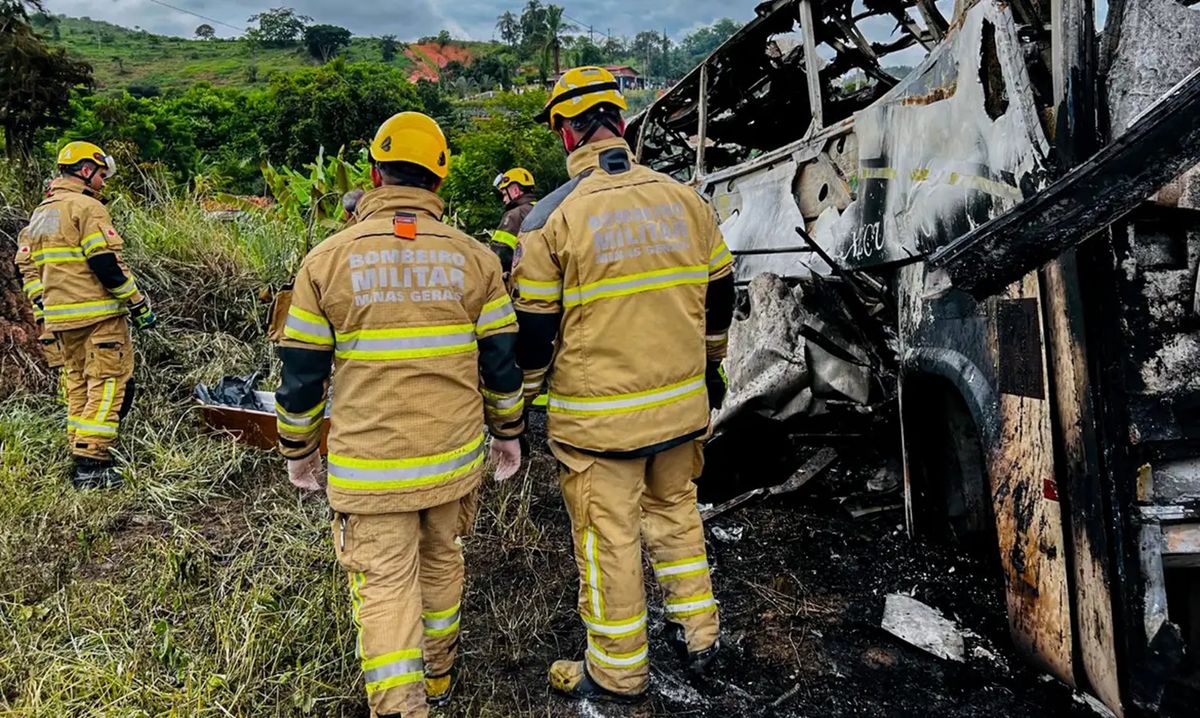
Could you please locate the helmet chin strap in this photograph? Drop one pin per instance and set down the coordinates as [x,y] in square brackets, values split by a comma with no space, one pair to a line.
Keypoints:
[571,144]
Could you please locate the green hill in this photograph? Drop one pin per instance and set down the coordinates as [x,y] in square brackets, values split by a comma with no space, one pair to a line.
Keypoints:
[136,59]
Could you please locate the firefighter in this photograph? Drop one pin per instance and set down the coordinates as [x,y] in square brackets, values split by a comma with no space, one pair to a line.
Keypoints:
[72,270]
[627,271]
[516,191]
[415,318]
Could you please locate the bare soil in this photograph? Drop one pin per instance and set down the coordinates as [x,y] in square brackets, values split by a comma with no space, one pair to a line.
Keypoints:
[801,586]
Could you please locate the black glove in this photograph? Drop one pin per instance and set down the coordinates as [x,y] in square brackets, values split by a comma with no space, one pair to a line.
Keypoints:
[717,384]
[143,316]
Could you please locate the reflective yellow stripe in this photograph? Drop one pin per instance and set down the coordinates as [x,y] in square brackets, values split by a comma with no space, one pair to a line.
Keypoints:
[358,579]
[495,314]
[89,427]
[393,669]
[93,243]
[126,290]
[720,257]
[506,238]
[110,388]
[303,423]
[544,291]
[406,343]
[675,570]
[442,623]
[84,310]
[32,288]
[617,629]
[386,474]
[58,255]
[594,578]
[623,403]
[691,605]
[305,326]
[633,659]
[635,284]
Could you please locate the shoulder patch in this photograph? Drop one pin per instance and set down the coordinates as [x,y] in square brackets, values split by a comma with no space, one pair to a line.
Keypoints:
[545,207]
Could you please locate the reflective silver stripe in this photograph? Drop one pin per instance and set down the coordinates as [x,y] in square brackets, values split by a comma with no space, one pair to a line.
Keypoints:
[539,290]
[691,606]
[600,405]
[93,428]
[620,287]
[309,418]
[361,344]
[442,625]
[126,290]
[503,401]
[394,669]
[496,317]
[617,628]
[93,242]
[675,568]
[307,326]
[84,309]
[403,470]
[722,258]
[624,660]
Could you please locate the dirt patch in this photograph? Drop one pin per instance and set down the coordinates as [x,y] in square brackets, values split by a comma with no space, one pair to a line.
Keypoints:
[801,596]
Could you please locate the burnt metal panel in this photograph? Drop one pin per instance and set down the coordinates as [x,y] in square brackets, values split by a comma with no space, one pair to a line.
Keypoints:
[1019,336]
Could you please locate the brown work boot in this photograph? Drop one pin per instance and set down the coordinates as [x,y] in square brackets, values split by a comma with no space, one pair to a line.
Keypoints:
[572,680]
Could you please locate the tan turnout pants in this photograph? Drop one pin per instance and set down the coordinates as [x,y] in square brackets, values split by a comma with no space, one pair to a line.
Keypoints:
[613,504]
[406,581]
[97,374]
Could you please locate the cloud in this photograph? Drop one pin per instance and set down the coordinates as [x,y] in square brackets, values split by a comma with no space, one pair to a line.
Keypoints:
[409,19]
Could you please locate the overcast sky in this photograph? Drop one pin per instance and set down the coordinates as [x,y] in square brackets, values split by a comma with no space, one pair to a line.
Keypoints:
[410,19]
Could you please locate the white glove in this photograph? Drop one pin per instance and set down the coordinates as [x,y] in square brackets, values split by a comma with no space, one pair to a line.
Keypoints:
[506,455]
[307,473]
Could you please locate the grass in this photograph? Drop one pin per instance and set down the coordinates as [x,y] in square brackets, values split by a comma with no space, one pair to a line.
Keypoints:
[207,586]
[124,58]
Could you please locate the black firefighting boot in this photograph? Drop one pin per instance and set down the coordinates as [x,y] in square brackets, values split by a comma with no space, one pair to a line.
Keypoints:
[571,679]
[96,474]
[697,662]
[438,689]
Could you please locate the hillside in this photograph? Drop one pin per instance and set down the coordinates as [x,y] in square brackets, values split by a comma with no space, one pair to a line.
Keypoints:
[136,59]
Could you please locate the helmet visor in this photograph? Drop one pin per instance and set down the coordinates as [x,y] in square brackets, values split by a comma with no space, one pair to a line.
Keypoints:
[110,167]
[499,182]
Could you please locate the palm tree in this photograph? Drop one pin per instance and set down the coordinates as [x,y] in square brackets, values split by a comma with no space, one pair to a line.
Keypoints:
[553,28]
[509,28]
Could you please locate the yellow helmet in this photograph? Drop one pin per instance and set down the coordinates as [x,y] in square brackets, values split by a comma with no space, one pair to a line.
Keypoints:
[412,137]
[517,175]
[579,90]
[75,152]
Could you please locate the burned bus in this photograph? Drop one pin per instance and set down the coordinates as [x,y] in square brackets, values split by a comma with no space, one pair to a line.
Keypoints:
[1018,214]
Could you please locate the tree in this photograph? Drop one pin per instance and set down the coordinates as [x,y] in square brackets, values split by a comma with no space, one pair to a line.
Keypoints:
[701,43]
[324,41]
[120,63]
[444,38]
[387,48]
[533,25]
[35,88]
[205,32]
[509,28]
[278,27]
[644,47]
[586,52]
[553,28]
[332,105]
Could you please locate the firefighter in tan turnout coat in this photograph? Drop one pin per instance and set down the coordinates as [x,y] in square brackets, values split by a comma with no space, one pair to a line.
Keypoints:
[84,296]
[625,297]
[415,318]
